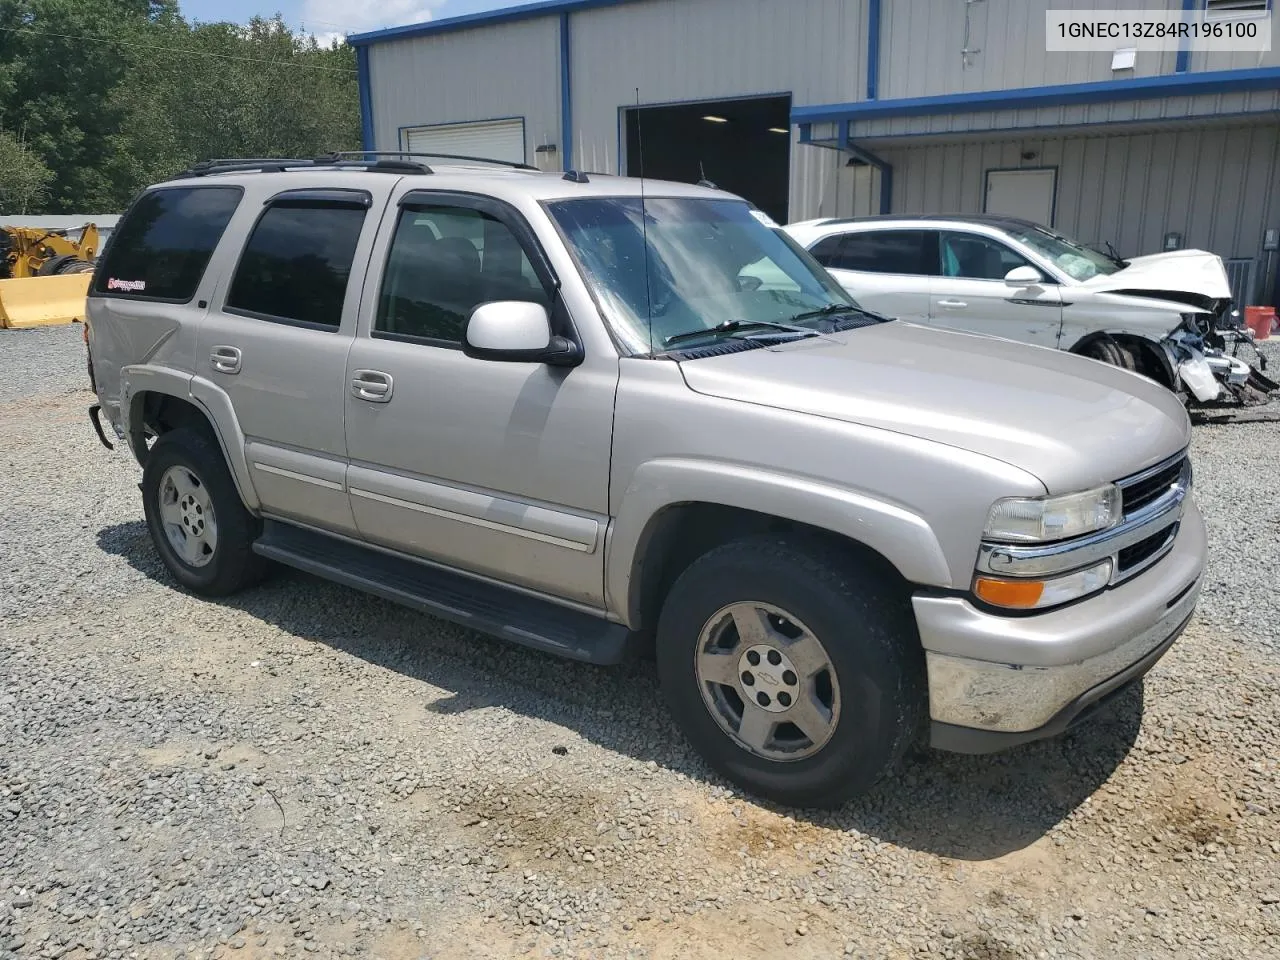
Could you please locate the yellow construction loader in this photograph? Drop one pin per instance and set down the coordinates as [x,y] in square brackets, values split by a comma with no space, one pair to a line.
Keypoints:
[44,275]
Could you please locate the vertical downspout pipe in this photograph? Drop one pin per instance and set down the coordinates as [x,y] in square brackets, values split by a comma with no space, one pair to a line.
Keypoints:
[366,98]
[873,93]
[885,168]
[873,50]
[1184,50]
[566,96]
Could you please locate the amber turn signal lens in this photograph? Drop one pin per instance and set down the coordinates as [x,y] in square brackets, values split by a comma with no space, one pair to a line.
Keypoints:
[1018,594]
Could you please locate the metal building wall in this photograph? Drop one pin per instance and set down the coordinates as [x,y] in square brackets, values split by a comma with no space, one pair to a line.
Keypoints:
[487,73]
[1217,186]
[922,42]
[682,50]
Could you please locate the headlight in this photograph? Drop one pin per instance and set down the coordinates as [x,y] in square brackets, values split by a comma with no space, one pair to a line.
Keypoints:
[1044,519]
[1038,594]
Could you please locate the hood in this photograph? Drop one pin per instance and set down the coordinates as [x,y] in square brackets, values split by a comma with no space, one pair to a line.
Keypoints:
[1195,272]
[1071,422]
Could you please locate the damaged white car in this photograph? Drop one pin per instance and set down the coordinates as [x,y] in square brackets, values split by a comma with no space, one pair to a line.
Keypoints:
[1168,316]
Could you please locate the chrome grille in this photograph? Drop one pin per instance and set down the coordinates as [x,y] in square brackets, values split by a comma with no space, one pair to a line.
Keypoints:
[1152,510]
[1144,489]
[1145,552]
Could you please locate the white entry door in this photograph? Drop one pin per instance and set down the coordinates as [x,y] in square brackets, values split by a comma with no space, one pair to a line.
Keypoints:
[1025,194]
[489,140]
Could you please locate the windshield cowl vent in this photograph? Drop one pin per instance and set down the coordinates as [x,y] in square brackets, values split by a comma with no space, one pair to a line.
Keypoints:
[723,348]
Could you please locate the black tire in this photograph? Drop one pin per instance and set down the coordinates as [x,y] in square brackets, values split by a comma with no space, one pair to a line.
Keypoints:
[55,265]
[864,622]
[232,564]
[1108,351]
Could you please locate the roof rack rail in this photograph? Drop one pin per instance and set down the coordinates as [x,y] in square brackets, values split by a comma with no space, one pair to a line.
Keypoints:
[438,156]
[280,164]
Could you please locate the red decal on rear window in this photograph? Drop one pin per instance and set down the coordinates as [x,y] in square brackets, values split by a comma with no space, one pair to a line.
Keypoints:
[128,286]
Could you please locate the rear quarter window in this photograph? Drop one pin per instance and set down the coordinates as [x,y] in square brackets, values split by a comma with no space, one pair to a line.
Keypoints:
[297,262]
[161,248]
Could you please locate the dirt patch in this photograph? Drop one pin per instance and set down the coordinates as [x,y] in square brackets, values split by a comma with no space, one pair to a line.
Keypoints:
[983,946]
[736,829]
[533,819]
[176,753]
[1200,822]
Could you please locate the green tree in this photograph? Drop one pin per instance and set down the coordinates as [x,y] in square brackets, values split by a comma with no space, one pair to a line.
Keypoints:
[56,85]
[116,94]
[24,179]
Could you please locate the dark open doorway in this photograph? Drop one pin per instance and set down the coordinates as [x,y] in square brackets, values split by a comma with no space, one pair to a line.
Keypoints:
[743,146]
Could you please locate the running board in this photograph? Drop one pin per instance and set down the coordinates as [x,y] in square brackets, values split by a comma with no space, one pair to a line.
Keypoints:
[472,603]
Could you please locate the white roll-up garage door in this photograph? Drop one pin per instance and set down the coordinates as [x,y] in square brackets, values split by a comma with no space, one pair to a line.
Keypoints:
[491,139]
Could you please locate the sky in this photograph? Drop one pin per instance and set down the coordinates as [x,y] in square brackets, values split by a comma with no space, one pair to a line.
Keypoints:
[327,18]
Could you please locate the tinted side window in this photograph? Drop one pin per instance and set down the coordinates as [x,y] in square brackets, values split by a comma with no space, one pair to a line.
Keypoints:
[827,251]
[161,249]
[885,251]
[444,262]
[974,257]
[296,264]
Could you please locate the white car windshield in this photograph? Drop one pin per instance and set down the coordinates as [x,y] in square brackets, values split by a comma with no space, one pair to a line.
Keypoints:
[1074,259]
[689,266]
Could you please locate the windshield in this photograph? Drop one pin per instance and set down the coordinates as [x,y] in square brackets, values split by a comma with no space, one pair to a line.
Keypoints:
[708,263]
[1074,259]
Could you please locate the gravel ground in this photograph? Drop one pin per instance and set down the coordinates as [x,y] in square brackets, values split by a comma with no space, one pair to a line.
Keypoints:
[306,771]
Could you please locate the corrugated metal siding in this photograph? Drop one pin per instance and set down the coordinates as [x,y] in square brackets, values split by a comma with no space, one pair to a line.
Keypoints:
[1121,111]
[506,70]
[678,50]
[922,42]
[1219,188]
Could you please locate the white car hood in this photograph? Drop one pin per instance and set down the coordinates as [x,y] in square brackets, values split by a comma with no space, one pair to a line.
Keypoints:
[1180,271]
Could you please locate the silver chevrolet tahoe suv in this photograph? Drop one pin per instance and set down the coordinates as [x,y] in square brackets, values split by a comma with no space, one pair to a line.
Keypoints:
[604,417]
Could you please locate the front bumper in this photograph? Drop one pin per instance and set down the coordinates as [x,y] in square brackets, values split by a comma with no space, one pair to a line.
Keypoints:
[997,681]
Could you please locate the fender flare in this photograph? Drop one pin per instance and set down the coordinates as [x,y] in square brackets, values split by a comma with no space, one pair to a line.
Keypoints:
[900,536]
[206,397]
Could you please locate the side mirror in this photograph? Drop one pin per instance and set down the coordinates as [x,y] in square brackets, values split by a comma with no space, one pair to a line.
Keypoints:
[1023,277]
[516,331]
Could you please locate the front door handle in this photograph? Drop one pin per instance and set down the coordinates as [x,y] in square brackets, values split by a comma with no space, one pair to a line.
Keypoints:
[225,359]
[371,385]
[952,304]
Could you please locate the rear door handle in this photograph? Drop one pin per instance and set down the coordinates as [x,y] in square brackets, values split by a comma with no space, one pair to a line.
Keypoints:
[371,385]
[953,304]
[225,359]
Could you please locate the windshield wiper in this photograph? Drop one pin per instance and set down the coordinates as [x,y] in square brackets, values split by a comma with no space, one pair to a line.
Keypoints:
[733,326]
[1118,260]
[832,309]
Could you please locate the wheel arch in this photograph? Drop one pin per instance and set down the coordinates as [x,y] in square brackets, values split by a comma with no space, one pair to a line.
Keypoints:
[680,533]
[676,511]
[158,402]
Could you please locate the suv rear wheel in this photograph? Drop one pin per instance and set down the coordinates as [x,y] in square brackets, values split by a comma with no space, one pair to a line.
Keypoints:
[793,673]
[198,523]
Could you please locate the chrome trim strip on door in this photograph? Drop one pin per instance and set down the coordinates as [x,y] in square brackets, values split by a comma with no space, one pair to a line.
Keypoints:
[474,521]
[302,477]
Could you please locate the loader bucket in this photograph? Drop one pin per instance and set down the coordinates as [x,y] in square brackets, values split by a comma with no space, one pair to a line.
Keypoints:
[43,301]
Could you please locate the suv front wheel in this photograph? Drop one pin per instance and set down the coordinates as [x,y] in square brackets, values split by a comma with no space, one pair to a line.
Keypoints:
[197,521]
[794,672]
